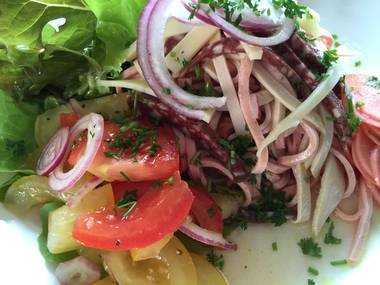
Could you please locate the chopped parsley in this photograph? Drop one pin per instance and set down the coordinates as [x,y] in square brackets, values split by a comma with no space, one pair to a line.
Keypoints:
[310,282]
[329,58]
[153,120]
[157,184]
[336,41]
[92,134]
[374,82]
[310,247]
[210,212]
[271,207]
[353,121]
[292,8]
[358,63]
[166,91]
[238,220]
[274,246]
[313,271]
[216,260]
[329,236]
[127,203]
[303,35]
[339,262]
[359,104]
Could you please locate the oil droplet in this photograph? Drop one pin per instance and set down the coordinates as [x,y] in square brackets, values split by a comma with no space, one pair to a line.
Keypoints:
[179,252]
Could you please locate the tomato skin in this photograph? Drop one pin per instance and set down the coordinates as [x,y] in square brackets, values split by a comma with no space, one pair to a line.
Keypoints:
[68,119]
[158,212]
[205,210]
[143,167]
[367,96]
[327,41]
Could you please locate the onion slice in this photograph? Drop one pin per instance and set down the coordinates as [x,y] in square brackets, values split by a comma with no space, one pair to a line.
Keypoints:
[86,188]
[205,236]
[78,271]
[150,47]
[281,36]
[54,152]
[94,124]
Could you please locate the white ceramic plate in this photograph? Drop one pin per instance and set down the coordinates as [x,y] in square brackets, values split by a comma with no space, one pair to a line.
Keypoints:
[357,22]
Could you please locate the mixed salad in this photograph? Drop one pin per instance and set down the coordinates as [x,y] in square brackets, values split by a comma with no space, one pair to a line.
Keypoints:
[148,131]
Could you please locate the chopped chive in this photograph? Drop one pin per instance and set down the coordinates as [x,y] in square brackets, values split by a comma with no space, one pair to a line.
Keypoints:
[195,159]
[274,246]
[166,91]
[313,271]
[339,262]
[157,184]
[211,212]
[125,176]
[198,72]
[170,180]
[358,63]
[210,187]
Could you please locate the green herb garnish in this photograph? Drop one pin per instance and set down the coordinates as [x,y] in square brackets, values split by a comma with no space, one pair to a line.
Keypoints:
[339,262]
[274,246]
[313,271]
[125,176]
[310,247]
[210,212]
[329,58]
[310,282]
[216,260]
[169,181]
[127,203]
[329,236]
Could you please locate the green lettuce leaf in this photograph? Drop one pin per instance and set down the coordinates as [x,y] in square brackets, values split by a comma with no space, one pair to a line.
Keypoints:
[101,30]
[116,27]
[17,142]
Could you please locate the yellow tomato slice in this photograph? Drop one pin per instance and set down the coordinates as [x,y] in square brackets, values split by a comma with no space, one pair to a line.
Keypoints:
[174,266]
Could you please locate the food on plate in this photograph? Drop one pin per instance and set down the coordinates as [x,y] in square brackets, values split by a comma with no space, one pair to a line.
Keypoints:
[148,131]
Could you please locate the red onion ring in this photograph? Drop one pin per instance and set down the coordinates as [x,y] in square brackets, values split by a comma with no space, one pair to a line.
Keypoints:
[86,188]
[205,236]
[54,152]
[281,36]
[150,47]
[94,123]
[79,268]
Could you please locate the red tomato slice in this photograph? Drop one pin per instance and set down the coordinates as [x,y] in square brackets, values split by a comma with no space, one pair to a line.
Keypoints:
[158,212]
[326,40]
[141,167]
[205,211]
[366,96]
[68,119]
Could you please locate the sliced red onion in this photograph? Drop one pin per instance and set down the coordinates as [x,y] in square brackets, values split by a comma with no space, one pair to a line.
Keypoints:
[200,15]
[205,236]
[183,15]
[362,230]
[54,152]
[75,105]
[281,36]
[151,58]
[86,188]
[78,271]
[94,124]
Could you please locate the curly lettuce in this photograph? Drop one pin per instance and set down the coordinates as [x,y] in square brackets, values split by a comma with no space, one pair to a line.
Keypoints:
[59,47]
